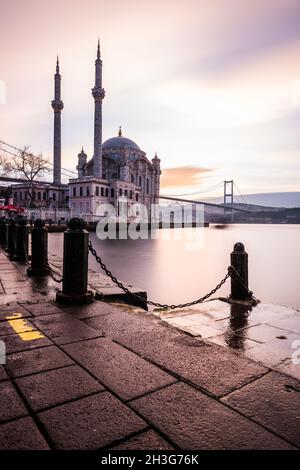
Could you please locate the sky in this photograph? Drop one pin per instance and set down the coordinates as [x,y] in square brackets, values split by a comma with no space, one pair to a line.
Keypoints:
[212,86]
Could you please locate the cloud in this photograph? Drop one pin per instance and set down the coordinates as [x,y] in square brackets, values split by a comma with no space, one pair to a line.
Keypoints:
[182,176]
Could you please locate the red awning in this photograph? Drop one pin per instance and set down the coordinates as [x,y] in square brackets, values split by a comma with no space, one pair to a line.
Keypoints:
[11,208]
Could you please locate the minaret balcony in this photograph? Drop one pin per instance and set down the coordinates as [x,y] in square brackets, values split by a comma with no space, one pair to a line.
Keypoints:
[57,105]
[98,93]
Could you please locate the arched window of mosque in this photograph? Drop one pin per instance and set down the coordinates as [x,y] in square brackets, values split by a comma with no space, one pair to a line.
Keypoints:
[102,191]
[106,192]
[74,191]
[140,181]
[112,192]
[87,190]
[132,178]
[147,186]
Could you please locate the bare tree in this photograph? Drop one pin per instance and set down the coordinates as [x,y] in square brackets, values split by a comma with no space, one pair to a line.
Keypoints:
[26,165]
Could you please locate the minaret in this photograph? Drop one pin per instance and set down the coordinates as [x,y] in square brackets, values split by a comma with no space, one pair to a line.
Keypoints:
[98,94]
[57,106]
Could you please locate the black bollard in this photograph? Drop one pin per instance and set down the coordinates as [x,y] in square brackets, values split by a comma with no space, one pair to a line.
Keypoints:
[21,237]
[239,283]
[10,240]
[39,250]
[75,265]
[3,235]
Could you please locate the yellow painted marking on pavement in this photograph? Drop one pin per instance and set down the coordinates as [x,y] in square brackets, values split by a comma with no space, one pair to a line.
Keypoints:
[21,326]
[31,335]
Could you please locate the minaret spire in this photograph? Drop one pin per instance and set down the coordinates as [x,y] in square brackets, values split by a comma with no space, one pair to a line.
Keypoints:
[57,106]
[98,50]
[98,94]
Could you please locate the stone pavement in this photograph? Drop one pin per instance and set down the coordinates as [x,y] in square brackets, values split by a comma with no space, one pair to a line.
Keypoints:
[101,377]
[269,334]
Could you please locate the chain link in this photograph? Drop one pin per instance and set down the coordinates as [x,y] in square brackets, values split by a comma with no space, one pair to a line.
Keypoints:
[232,272]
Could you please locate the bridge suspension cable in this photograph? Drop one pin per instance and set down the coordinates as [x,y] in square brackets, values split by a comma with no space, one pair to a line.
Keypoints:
[201,191]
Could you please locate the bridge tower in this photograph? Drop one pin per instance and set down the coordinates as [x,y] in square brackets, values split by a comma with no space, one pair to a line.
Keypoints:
[228,200]
[228,191]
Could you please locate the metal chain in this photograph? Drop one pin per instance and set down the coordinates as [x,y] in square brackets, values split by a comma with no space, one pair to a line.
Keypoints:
[150,302]
[52,272]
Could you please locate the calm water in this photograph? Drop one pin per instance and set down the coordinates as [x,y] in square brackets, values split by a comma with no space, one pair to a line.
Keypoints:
[177,270]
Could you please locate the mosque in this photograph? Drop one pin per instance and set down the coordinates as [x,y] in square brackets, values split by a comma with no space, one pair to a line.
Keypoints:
[117,169]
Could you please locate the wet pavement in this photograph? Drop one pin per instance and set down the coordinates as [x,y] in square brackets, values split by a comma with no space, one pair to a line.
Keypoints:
[104,377]
[268,334]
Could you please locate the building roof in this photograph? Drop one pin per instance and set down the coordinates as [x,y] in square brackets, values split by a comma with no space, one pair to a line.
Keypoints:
[120,142]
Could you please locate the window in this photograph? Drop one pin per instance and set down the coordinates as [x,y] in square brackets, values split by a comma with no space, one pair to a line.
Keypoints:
[33,195]
[137,196]
[140,181]
[39,195]
[132,178]
[80,191]
[97,190]
[130,194]
[125,192]
[114,176]
[112,192]
[54,196]
[147,187]
[120,192]
[74,191]
[21,196]
[87,190]
[44,196]
[106,192]
[102,191]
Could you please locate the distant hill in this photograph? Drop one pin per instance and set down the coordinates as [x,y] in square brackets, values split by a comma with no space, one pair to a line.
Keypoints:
[288,199]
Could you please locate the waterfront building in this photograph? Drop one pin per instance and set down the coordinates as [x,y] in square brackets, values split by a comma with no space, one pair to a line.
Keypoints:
[118,169]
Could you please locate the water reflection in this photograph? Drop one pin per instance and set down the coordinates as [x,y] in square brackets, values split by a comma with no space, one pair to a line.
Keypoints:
[236,334]
[171,271]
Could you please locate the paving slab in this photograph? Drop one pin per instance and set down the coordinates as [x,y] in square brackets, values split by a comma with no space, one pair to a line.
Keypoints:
[8,327]
[63,328]
[57,386]
[11,309]
[90,423]
[290,368]
[274,352]
[273,401]
[22,434]
[208,366]
[11,405]
[42,308]
[14,343]
[36,360]
[193,420]
[235,342]
[91,310]
[264,333]
[291,323]
[122,371]
[148,440]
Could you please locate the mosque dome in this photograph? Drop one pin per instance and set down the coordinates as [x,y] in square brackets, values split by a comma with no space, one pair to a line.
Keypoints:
[120,142]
